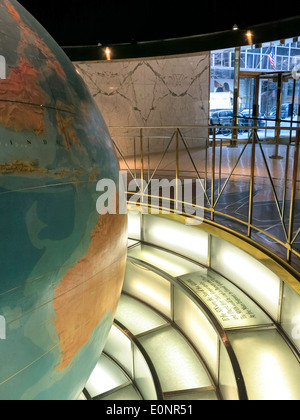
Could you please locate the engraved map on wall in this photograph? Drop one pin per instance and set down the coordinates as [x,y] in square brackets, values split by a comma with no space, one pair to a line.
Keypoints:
[232,307]
[153,92]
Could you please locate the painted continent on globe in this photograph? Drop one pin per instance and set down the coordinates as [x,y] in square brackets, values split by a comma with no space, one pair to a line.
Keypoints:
[61,263]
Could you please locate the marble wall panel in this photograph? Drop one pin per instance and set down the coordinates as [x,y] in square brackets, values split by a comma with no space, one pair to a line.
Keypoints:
[151,93]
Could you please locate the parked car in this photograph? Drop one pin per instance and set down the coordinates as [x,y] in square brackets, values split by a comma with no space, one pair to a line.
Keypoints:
[248,115]
[286,111]
[224,117]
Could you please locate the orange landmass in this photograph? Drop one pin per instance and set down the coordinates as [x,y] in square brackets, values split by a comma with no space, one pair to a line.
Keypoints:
[28,36]
[15,92]
[23,167]
[92,287]
[66,129]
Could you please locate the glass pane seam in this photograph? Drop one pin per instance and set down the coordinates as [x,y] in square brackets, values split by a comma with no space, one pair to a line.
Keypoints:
[116,363]
[143,334]
[133,245]
[118,388]
[197,354]
[189,391]
[147,304]
[174,253]
[252,328]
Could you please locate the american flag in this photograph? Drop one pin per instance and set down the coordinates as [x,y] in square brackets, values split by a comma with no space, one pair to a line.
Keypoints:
[271,57]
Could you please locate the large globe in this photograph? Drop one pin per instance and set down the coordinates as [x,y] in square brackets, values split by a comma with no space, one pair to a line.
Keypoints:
[61,263]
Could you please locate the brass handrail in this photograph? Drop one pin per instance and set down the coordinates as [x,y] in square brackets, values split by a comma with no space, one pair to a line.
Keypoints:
[212,195]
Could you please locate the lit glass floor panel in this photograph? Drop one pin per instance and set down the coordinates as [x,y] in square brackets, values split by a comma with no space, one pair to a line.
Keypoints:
[176,364]
[127,393]
[192,396]
[137,316]
[131,242]
[232,307]
[105,377]
[270,370]
[165,261]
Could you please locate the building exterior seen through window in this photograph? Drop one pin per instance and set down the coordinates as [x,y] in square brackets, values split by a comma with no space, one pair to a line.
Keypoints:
[264,69]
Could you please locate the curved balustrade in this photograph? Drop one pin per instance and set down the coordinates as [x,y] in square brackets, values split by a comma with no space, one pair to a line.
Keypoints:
[249,184]
[199,318]
[240,316]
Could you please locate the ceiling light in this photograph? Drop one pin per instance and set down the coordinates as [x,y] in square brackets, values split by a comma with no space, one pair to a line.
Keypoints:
[108,53]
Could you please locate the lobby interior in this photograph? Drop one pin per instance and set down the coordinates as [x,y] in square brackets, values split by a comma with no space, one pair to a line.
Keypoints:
[159,111]
[210,307]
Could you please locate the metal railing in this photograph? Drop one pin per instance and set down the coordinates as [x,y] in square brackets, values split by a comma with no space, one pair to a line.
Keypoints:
[250,186]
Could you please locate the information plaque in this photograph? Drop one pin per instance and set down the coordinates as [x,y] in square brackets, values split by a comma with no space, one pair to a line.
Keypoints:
[231,306]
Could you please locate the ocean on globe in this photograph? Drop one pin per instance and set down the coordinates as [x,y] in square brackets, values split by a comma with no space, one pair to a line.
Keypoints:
[61,263]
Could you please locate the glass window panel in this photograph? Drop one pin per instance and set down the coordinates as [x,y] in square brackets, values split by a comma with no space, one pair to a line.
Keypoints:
[290,315]
[136,316]
[192,396]
[249,60]
[185,240]
[227,380]
[221,81]
[248,273]
[118,346]
[165,261]
[134,225]
[257,61]
[148,287]
[131,242]
[105,377]
[243,64]
[176,364]
[218,58]
[265,61]
[125,394]
[143,376]
[226,59]
[198,329]
[232,307]
[270,370]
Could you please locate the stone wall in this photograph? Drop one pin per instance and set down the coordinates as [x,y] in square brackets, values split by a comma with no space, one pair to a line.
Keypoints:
[170,91]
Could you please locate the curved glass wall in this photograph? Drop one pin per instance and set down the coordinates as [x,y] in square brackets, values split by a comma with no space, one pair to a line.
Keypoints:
[239,317]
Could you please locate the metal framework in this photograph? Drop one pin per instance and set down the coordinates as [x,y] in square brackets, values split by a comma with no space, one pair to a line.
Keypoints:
[283,242]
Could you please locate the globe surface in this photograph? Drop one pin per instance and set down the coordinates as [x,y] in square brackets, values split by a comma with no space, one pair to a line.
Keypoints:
[61,263]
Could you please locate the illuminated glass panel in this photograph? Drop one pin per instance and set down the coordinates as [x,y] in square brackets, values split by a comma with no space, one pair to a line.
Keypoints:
[148,287]
[143,376]
[227,379]
[176,364]
[118,346]
[131,242]
[165,261]
[128,393]
[230,306]
[134,225]
[105,377]
[270,370]
[195,325]
[290,315]
[185,240]
[247,273]
[137,316]
[192,396]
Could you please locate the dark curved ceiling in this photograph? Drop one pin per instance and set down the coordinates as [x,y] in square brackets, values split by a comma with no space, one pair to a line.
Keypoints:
[89,22]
